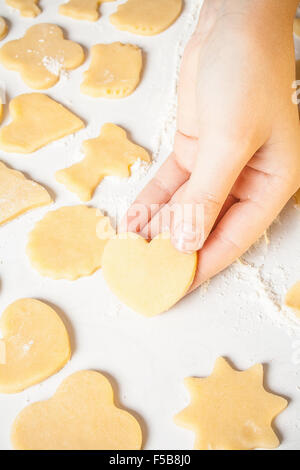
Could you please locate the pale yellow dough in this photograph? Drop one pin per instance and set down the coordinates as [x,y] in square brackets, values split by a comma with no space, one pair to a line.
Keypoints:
[146,17]
[19,194]
[112,153]
[148,277]
[37,120]
[114,72]
[82,9]
[292,299]
[27,8]
[36,344]
[68,243]
[297,27]
[3,28]
[80,416]
[231,410]
[41,55]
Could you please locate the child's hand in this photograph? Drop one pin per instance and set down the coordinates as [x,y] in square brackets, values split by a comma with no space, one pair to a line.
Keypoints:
[237,148]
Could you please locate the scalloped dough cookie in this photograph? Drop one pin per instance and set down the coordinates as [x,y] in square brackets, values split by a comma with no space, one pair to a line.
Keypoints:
[19,194]
[147,17]
[36,344]
[41,55]
[81,415]
[3,28]
[114,72]
[68,243]
[110,154]
[27,8]
[32,113]
[82,9]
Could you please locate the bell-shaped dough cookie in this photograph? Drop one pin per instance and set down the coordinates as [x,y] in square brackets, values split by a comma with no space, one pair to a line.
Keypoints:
[147,17]
[37,120]
[36,344]
[3,28]
[41,55]
[82,9]
[148,277]
[114,72]
[27,8]
[292,299]
[231,410]
[110,154]
[18,194]
[80,416]
[68,243]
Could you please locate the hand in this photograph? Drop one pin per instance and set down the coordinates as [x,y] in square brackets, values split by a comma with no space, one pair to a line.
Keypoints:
[237,147]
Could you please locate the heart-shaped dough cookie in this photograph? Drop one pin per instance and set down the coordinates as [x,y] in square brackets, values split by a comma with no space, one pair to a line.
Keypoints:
[148,277]
[35,343]
[80,416]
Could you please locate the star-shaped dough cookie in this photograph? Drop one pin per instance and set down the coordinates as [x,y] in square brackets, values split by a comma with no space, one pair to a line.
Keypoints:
[110,154]
[82,9]
[3,28]
[231,410]
[41,55]
[37,120]
[27,8]
[18,194]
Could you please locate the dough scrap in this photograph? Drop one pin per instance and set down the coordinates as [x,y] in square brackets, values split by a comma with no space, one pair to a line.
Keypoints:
[27,8]
[112,153]
[41,55]
[146,18]
[82,9]
[36,344]
[19,194]
[148,277]
[231,410]
[68,243]
[297,27]
[292,299]
[80,416]
[32,113]
[3,28]
[114,72]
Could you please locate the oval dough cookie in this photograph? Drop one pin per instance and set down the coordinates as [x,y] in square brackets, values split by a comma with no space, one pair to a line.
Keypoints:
[19,194]
[82,9]
[3,28]
[41,55]
[27,8]
[114,72]
[36,345]
[68,243]
[80,416]
[147,17]
[148,277]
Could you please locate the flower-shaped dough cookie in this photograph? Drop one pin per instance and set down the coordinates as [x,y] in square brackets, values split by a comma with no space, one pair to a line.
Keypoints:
[80,416]
[19,194]
[146,17]
[37,120]
[3,28]
[27,8]
[82,9]
[110,154]
[114,72]
[41,55]
[35,345]
[231,410]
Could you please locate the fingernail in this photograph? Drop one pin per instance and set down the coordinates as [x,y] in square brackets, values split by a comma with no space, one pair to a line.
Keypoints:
[186,238]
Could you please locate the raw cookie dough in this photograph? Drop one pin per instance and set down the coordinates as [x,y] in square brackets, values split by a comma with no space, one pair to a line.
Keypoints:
[148,277]
[19,194]
[292,299]
[297,27]
[36,344]
[28,8]
[148,17]
[3,28]
[37,120]
[114,72]
[82,9]
[41,55]
[112,153]
[80,416]
[231,410]
[68,243]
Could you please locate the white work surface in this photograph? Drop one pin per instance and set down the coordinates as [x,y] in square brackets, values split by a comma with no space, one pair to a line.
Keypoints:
[238,315]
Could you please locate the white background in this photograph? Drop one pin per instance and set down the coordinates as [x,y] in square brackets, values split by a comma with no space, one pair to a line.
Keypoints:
[238,315]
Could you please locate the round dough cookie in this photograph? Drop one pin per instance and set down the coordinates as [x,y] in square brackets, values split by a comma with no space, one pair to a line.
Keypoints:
[68,243]
[3,28]
[147,17]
